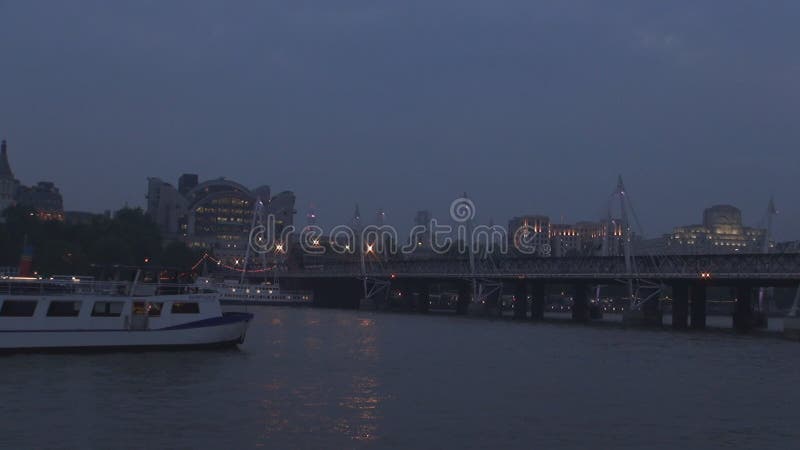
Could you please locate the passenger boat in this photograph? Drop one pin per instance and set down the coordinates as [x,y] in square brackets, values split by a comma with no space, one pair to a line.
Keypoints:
[75,314]
[233,293]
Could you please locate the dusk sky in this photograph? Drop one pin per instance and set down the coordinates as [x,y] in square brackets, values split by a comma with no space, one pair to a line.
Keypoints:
[529,106]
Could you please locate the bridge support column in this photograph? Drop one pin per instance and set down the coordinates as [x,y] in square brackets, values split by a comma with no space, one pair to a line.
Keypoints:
[464,297]
[743,312]
[653,315]
[580,303]
[520,300]
[405,295]
[698,306]
[538,290]
[680,306]
[422,298]
[492,307]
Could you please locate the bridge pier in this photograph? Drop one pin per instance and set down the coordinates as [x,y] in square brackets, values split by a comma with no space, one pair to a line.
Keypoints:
[492,306]
[648,314]
[680,306]
[653,316]
[743,312]
[520,300]
[405,298]
[422,289]
[698,306]
[464,297]
[580,303]
[538,290]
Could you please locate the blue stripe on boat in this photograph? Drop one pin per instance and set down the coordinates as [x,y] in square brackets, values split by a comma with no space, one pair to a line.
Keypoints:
[228,317]
[231,317]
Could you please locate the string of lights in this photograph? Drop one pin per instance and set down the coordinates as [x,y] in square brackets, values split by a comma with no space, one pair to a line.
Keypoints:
[220,263]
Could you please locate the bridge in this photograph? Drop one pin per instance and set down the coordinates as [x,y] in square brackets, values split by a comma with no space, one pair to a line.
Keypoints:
[766,269]
[481,281]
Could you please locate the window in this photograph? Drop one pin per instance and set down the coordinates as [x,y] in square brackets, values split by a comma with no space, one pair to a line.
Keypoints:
[153,309]
[185,308]
[64,309]
[107,309]
[17,308]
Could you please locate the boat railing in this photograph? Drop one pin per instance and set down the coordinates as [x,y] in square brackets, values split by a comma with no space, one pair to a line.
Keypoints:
[259,289]
[17,286]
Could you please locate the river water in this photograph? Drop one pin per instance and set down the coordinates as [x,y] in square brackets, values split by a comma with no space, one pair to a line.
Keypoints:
[310,378]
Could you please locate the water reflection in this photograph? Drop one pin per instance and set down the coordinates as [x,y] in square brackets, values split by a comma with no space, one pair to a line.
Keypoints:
[343,379]
[364,402]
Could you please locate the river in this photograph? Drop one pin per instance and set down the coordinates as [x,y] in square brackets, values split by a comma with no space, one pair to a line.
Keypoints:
[310,378]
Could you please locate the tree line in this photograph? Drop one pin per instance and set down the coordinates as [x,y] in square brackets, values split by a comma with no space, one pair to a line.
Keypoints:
[129,238]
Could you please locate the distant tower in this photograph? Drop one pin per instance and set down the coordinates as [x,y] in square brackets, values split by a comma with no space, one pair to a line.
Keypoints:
[187,182]
[8,184]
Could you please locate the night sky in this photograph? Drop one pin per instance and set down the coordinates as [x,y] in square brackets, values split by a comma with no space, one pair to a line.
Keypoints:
[529,106]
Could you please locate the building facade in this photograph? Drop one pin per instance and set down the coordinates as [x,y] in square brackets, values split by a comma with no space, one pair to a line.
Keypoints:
[215,215]
[721,232]
[530,232]
[44,197]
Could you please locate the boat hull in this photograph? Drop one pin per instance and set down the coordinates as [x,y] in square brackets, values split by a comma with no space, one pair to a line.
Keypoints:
[228,330]
[264,303]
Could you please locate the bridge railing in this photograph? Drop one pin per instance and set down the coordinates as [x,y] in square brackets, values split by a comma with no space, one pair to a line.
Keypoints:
[666,266]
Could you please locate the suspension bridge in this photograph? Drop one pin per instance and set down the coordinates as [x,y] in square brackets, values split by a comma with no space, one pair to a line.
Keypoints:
[480,279]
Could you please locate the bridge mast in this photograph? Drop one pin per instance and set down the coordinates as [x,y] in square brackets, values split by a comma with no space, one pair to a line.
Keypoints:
[771,212]
[626,234]
[258,218]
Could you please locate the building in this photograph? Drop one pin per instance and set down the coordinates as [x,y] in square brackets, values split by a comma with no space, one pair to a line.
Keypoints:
[281,206]
[44,198]
[721,232]
[187,182]
[529,232]
[166,206]
[584,238]
[215,215]
[565,240]
[8,184]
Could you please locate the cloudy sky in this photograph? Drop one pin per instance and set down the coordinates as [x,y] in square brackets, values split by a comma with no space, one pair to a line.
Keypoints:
[529,106]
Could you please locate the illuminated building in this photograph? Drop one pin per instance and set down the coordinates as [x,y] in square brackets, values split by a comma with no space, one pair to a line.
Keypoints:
[564,239]
[44,198]
[583,238]
[721,232]
[528,232]
[219,217]
[215,215]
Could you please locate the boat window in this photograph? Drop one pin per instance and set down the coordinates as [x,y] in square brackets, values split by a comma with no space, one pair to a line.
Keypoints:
[153,309]
[185,308]
[107,309]
[18,308]
[64,309]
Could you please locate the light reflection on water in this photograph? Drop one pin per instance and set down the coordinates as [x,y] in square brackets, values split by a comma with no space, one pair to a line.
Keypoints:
[343,379]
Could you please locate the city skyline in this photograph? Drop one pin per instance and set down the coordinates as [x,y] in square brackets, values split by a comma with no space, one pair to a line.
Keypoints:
[380,218]
[530,108]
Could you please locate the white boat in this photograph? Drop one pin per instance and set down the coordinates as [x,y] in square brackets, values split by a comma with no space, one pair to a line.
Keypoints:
[78,315]
[233,293]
